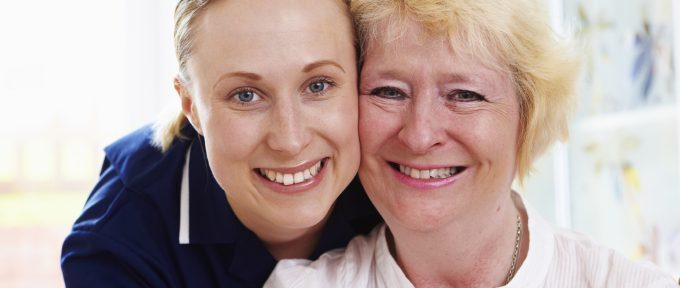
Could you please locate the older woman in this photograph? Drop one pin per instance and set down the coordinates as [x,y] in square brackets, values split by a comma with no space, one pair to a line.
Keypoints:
[269,92]
[457,98]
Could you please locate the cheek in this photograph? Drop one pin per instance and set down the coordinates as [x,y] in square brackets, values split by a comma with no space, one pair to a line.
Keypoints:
[379,138]
[332,128]
[496,140]
[375,125]
[339,122]
[230,141]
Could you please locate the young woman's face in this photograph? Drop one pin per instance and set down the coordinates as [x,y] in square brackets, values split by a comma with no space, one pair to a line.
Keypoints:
[273,91]
[438,132]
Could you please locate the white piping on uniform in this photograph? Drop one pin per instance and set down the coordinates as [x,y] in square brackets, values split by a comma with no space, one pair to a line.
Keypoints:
[184,203]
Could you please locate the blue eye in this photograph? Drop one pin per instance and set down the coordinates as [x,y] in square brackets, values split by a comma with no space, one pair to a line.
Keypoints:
[318,86]
[245,96]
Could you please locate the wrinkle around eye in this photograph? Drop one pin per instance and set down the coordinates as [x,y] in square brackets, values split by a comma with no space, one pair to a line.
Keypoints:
[386,104]
[476,108]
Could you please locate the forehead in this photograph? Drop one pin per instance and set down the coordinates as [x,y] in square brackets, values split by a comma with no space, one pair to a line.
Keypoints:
[244,16]
[405,36]
[409,47]
[263,34]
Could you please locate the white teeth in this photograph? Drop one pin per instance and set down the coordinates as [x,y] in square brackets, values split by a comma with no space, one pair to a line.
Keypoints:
[314,169]
[291,178]
[288,179]
[429,173]
[299,177]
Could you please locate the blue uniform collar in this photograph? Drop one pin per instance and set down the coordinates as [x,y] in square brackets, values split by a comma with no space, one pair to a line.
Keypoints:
[209,219]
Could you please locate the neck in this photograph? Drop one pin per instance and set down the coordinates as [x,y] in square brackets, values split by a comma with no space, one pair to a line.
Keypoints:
[290,242]
[294,244]
[472,251]
[283,241]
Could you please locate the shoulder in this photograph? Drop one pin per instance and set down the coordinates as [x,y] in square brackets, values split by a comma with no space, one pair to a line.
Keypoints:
[114,211]
[135,158]
[136,198]
[133,149]
[127,226]
[353,266]
[580,258]
[139,139]
[565,258]
[132,171]
[116,237]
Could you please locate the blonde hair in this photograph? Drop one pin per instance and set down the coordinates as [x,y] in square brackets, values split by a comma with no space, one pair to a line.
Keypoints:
[186,12]
[517,32]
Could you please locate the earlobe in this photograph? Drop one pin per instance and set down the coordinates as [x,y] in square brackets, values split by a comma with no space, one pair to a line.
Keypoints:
[188,107]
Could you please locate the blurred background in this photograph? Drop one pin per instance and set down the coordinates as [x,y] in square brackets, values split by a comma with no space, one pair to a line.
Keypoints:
[617,179]
[74,76]
[77,74]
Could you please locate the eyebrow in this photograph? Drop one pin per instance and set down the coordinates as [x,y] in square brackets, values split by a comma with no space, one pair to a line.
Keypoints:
[240,74]
[257,77]
[314,65]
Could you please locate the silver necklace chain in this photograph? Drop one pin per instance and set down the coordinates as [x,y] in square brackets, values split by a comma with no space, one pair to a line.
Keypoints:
[515,254]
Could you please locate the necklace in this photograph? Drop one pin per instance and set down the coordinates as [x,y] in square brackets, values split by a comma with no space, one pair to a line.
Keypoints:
[515,254]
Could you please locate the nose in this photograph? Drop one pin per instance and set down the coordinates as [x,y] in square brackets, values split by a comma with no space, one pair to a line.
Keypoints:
[422,129]
[289,132]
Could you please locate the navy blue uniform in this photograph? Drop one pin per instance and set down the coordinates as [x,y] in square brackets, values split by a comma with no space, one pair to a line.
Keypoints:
[128,234]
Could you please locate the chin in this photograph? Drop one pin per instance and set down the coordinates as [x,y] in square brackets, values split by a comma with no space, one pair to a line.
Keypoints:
[303,216]
[420,223]
[421,218]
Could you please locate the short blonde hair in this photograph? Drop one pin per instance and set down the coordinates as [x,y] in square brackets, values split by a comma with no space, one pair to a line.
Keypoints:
[517,32]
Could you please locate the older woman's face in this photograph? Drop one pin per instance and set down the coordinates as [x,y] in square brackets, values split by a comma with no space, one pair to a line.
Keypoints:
[438,132]
[274,94]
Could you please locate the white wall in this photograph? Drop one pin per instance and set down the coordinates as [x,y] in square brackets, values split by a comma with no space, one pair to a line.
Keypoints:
[75,75]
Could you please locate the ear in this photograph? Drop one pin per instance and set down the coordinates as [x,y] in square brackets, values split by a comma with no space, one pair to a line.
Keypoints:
[188,107]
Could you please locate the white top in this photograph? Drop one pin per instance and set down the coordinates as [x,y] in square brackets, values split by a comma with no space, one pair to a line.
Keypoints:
[556,258]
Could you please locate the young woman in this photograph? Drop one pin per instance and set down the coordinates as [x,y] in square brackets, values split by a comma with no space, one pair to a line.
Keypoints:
[250,171]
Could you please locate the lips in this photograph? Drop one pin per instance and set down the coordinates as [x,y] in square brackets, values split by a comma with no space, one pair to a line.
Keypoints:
[288,177]
[432,173]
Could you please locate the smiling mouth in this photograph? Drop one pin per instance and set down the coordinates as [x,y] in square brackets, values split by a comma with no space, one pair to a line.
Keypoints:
[436,173]
[290,178]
